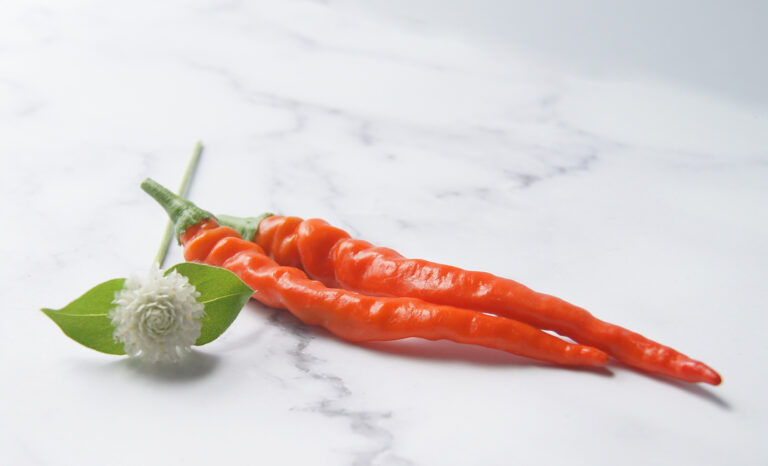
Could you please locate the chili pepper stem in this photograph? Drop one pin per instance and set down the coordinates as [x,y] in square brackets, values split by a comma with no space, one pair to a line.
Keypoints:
[182,212]
[185,181]
[246,226]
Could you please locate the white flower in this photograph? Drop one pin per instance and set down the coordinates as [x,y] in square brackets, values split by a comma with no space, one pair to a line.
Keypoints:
[157,317]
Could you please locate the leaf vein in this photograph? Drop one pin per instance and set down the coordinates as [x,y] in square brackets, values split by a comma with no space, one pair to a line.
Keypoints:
[220,297]
[60,313]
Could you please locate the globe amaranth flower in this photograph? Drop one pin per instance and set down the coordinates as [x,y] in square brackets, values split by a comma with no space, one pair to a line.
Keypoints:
[157,317]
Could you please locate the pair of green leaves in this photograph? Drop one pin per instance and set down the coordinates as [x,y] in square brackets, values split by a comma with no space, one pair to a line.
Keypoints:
[221,292]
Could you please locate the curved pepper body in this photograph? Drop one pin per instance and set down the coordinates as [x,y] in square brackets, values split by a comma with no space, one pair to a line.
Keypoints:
[329,254]
[358,317]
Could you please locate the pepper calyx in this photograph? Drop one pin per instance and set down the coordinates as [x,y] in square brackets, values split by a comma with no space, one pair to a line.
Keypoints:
[248,227]
[183,213]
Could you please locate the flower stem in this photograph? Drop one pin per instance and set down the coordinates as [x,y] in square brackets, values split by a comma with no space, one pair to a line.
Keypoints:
[188,174]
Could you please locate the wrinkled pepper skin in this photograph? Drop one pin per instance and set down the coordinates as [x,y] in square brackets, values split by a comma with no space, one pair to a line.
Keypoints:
[357,317]
[330,255]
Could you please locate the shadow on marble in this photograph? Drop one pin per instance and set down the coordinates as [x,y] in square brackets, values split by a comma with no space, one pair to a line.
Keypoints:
[441,351]
[697,390]
[444,351]
[243,341]
[194,366]
[448,351]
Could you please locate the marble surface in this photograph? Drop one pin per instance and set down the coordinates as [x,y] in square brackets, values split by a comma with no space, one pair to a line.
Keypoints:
[614,156]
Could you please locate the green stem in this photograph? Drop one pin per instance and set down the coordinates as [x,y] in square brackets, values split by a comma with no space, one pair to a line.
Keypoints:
[188,174]
[182,212]
[246,226]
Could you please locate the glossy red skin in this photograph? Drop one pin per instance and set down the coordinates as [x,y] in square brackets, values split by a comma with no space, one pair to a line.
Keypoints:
[330,255]
[358,317]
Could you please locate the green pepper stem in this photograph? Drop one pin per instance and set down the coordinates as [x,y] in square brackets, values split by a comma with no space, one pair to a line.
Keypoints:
[182,212]
[183,188]
[246,226]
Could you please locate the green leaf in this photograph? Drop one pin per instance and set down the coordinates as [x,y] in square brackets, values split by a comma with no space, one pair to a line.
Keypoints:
[221,291]
[85,319]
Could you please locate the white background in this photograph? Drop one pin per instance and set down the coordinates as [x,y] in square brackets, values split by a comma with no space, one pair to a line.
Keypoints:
[614,156]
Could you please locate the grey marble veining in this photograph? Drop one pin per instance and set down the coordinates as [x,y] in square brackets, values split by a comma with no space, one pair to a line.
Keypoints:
[631,187]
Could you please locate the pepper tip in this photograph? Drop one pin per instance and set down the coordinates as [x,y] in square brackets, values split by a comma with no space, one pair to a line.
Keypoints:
[712,377]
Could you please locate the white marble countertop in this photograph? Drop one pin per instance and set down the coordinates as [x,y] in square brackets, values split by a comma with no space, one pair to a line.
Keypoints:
[616,157]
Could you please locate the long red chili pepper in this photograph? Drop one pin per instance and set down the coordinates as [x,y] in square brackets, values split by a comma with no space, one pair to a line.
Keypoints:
[350,315]
[328,254]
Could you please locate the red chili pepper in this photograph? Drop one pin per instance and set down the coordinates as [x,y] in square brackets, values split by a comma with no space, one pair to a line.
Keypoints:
[328,254]
[350,315]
